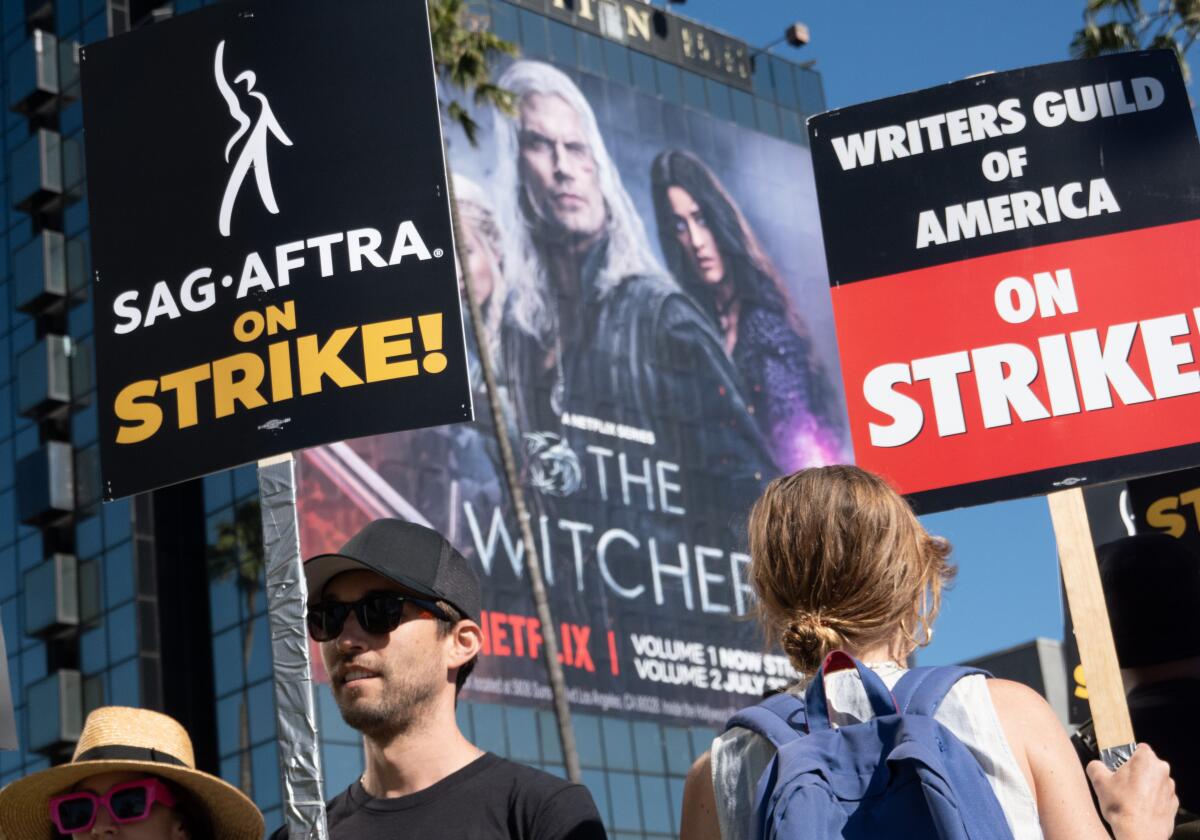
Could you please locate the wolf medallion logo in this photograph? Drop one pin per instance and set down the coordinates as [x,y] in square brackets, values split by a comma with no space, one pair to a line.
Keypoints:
[253,153]
[553,466]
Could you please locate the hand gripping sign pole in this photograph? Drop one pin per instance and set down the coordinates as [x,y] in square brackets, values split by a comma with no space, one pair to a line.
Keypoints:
[287,598]
[1081,579]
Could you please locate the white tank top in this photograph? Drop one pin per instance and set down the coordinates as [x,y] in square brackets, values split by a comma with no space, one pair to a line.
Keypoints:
[739,756]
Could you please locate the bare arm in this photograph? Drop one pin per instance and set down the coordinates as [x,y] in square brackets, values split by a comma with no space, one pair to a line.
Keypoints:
[1140,796]
[699,819]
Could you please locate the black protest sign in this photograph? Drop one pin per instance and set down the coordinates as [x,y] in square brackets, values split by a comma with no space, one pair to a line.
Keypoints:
[1168,503]
[1014,277]
[271,239]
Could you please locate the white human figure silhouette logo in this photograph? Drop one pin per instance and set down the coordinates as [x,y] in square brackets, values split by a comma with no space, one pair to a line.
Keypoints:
[254,151]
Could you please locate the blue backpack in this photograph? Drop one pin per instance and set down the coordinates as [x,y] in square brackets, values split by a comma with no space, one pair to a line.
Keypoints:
[900,774]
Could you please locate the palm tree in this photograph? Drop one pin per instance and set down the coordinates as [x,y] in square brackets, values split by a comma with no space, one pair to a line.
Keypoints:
[238,551]
[462,50]
[1112,26]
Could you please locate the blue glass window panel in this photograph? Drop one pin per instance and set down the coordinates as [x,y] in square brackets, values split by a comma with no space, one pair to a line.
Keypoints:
[5,357]
[679,749]
[89,537]
[616,62]
[8,573]
[75,222]
[181,7]
[29,551]
[84,427]
[768,117]
[743,108]
[118,574]
[272,817]
[643,72]
[760,78]
[562,43]
[125,684]
[647,745]
[333,728]
[718,99]
[785,82]
[260,651]
[8,620]
[229,723]
[656,805]
[67,16]
[122,632]
[264,763]
[95,29]
[587,740]
[33,661]
[7,473]
[262,712]
[489,728]
[93,650]
[594,781]
[504,22]
[231,767]
[793,130]
[117,522]
[218,490]
[92,8]
[591,53]
[551,742]
[343,765]
[79,323]
[522,734]
[223,600]
[693,91]
[812,94]
[702,738]
[227,661]
[623,794]
[534,42]
[5,427]
[245,481]
[555,770]
[675,785]
[618,743]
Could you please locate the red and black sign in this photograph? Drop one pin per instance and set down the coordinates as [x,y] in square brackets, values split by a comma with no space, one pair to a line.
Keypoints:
[1015,278]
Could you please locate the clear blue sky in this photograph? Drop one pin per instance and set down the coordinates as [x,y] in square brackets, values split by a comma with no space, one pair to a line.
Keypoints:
[1008,584]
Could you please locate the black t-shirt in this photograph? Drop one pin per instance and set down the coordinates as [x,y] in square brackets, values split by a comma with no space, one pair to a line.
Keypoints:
[489,799]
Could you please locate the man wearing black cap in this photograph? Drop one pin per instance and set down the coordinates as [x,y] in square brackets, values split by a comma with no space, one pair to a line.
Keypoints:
[396,614]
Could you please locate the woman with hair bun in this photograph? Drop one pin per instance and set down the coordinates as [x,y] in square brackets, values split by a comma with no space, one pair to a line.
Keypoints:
[840,562]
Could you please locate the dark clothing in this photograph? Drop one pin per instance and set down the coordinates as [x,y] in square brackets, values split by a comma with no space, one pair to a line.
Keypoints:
[787,393]
[1166,716]
[489,799]
[644,355]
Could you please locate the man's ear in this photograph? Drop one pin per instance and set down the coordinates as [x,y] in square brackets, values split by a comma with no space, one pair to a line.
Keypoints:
[466,639]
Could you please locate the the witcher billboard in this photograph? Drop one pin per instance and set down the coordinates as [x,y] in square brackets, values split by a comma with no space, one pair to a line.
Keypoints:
[653,286]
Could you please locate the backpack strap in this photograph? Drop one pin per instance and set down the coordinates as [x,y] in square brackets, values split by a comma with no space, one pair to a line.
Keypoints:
[881,700]
[780,719]
[921,690]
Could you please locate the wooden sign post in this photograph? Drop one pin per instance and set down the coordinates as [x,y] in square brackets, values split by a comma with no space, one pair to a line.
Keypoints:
[1085,597]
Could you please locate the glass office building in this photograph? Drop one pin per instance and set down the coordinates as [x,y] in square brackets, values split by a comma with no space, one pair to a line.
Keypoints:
[85,587]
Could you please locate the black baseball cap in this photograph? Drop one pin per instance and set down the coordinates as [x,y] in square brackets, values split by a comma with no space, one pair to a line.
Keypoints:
[412,555]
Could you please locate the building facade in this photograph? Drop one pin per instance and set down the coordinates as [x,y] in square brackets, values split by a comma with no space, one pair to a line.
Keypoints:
[158,601]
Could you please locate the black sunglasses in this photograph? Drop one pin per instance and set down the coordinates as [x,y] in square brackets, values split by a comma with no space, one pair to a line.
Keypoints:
[377,613]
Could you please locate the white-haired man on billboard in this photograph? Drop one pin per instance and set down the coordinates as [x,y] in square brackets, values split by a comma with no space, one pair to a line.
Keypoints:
[594,326]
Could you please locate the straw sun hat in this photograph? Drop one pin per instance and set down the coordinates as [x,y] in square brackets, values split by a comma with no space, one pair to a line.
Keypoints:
[116,739]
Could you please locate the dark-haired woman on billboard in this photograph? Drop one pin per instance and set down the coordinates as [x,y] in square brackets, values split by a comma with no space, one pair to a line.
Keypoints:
[716,257]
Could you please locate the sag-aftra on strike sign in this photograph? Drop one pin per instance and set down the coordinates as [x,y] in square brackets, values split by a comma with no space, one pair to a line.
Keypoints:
[271,242]
[1015,268]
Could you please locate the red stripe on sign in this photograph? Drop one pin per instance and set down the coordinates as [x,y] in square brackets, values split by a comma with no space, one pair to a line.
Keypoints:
[1027,360]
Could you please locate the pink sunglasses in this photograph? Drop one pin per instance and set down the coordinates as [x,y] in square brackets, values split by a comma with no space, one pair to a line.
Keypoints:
[128,802]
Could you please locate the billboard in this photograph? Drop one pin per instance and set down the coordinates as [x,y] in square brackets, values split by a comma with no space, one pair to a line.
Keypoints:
[1038,237]
[654,293]
[271,249]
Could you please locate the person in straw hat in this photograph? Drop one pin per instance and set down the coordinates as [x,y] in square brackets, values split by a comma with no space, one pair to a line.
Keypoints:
[133,777]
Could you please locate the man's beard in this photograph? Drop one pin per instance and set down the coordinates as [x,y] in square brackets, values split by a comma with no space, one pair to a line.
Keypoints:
[400,708]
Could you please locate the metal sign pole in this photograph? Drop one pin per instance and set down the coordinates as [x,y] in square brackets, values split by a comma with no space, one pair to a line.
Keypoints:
[1093,633]
[287,597]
